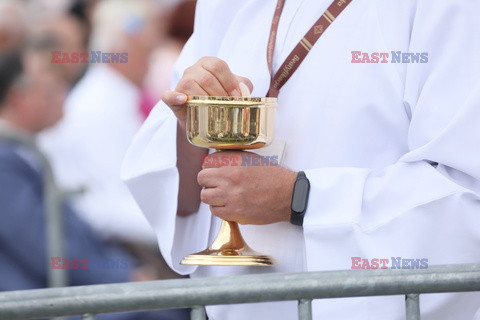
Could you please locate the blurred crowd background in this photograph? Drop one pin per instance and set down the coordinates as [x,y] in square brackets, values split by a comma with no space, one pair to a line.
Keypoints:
[83,116]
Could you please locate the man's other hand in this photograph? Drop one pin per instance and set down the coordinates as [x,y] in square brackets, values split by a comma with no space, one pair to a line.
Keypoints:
[246,190]
[208,77]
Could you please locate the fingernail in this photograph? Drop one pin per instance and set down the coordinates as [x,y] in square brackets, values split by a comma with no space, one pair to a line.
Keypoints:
[181,98]
[244,90]
[235,93]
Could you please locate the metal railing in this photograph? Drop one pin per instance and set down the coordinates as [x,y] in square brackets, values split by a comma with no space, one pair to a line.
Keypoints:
[197,293]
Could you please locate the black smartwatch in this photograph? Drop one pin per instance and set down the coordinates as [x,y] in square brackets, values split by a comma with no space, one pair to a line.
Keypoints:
[301,191]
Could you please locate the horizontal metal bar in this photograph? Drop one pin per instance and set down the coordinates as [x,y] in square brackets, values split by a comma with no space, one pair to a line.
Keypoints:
[305,309]
[44,303]
[412,304]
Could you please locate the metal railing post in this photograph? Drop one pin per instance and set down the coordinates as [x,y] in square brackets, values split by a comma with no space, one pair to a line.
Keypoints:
[305,309]
[198,313]
[412,305]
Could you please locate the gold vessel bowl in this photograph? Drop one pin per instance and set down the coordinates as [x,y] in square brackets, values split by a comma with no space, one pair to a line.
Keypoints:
[230,122]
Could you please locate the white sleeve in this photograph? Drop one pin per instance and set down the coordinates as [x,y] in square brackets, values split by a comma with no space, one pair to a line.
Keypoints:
[149,168]
[151,174]
[427,204]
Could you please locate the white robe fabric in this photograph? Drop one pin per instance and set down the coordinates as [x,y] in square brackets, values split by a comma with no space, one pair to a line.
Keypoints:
[390,149]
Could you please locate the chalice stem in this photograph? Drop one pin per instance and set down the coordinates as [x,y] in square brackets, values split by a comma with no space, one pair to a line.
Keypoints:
[229,237]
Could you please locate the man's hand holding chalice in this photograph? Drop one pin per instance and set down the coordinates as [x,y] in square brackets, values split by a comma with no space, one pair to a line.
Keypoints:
[243,194]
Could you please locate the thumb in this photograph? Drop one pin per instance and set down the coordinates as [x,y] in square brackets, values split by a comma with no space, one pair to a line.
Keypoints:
[176,102]
[174,99]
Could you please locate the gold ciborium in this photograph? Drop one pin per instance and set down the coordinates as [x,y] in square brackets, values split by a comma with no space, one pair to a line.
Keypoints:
[230,123]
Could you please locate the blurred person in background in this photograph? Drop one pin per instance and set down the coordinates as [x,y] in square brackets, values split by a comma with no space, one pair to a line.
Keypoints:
[83,11]
[177,25]
[67,33]
[12,25]
[31,99]
[102,114]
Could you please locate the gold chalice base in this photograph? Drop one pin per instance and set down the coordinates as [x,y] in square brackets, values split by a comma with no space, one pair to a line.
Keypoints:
[228,249]
[228,257]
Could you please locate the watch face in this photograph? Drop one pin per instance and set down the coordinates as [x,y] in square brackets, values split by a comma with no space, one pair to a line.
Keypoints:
[300,195]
